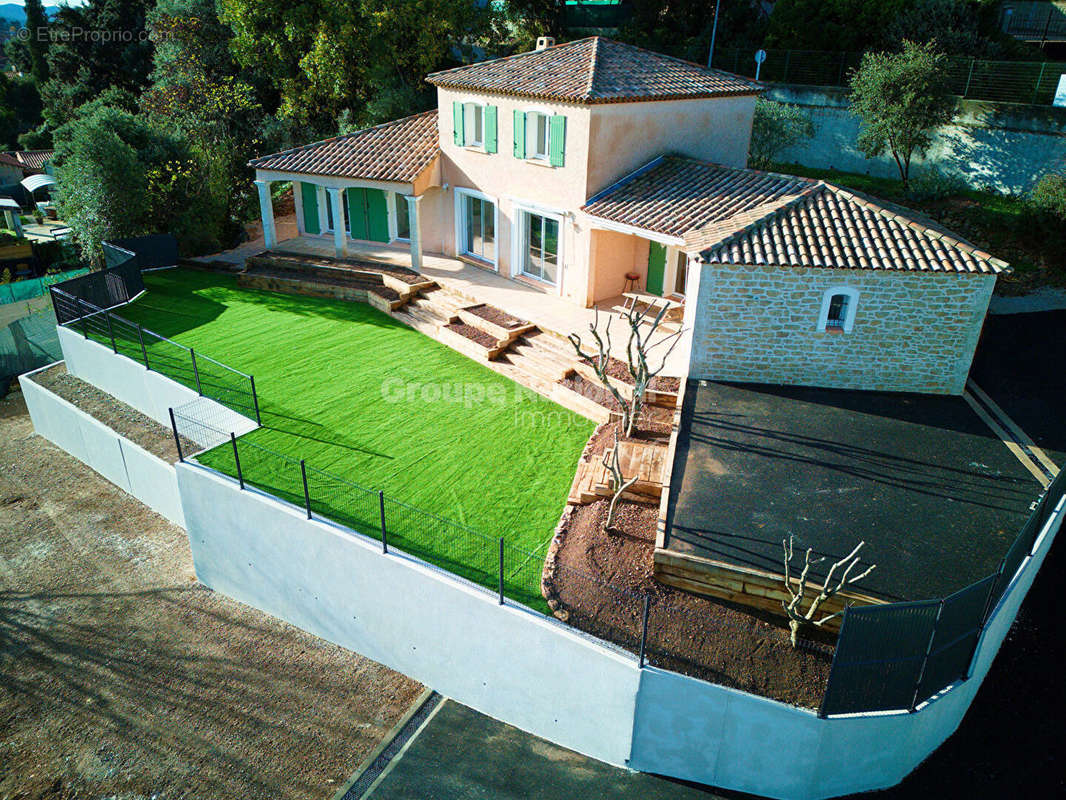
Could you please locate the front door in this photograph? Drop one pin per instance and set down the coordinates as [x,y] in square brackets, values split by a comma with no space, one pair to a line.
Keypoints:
[656,268]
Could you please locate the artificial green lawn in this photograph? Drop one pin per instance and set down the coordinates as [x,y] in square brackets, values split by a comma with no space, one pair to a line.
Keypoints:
[341,385]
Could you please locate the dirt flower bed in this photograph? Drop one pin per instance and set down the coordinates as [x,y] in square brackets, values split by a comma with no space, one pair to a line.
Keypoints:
[496,316]
[386,292]
[654,421]
[475,335]
[123,419]
[597,581]
[619,370]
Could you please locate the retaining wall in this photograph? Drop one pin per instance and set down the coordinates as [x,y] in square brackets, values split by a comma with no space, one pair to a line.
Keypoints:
[1006,146]
[126,464]
[129,381]
[505,661]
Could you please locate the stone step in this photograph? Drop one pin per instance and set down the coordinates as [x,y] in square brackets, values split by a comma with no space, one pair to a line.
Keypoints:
[330,275]
[544,362]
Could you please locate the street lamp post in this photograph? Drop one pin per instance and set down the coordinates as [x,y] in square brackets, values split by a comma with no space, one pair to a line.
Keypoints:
[714,32]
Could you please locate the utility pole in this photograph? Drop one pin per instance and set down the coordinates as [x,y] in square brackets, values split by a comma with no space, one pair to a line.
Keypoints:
[714,32]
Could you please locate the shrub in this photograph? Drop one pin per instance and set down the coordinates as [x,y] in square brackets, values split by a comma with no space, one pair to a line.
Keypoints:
[775,127]
[1048,197]
[932,183]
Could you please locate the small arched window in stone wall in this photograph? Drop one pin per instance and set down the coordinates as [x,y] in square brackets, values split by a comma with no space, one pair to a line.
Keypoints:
[838,310]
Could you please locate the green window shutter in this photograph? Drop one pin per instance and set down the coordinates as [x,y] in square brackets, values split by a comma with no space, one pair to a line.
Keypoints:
[490,129]
[356,199]
[656,268]
[377,215]
[519,134]
[557,140]
[457,122]
[309,200]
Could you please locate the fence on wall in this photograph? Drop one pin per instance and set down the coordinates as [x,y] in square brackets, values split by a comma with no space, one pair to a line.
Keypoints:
[19,291]
[896,656]
[1032,82]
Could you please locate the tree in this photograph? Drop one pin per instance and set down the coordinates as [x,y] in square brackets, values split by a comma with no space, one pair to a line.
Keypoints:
[639,348]
[613,464]
[776,127]
[682,28]
[368,57]
[901,98]
[37,43]
[20,109]
[117,176]
[798,595]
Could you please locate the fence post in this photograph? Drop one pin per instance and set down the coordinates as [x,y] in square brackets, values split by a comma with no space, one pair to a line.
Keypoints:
[925,658]
[384,533]
[255,400]
[843,64]
[788,60]
[644,631]
[237,459]
[307,491]
[992,592]
[144,350]
[969,77]
[195,372]
[501,570]
[111,331]
[177,439]
[84,319]
[1039,80]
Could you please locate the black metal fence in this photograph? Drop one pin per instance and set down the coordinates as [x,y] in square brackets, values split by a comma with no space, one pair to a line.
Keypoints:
[149,252]
[106,288]
[210,378]
[896,656]
[970,78]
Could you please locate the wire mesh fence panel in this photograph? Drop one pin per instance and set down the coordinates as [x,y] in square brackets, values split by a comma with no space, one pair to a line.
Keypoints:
[201,423]
[344,502]
[266,469]
[957,630]
[445,544]
[1017,553]
[523,572]
[879,657]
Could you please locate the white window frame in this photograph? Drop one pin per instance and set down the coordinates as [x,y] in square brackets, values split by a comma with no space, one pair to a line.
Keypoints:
[849,315]
[531,153]
[470,112]
[394,221]
[325,219]
[460,219]
[519,245]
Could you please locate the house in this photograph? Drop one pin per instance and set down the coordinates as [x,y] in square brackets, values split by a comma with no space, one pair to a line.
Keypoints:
[592,168]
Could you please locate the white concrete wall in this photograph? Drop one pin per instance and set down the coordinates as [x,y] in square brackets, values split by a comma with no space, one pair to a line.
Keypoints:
[504,661]
[698,731]
[126,464]
[127,380]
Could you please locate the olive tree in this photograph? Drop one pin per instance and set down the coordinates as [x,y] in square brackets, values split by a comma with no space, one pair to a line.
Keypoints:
[776,127]
[901,98]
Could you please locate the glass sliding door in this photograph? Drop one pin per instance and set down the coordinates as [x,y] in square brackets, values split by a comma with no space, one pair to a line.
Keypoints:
[479,228]
[540,246]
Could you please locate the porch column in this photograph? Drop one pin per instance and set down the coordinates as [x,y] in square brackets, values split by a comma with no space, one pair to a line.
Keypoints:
[414,217]
[340,236]
[266,212]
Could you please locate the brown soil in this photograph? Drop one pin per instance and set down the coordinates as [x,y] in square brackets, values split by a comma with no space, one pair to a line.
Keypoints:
[598,581]
[475,335]
[618,370]
[121,418]
[496,316]
[654,421]
[386,292]
[121,676]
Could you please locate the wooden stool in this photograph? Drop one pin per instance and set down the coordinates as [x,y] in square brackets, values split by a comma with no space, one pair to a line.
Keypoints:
[631,281]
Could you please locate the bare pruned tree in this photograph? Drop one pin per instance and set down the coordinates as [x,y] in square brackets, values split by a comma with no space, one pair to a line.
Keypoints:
[642,329]
[794,607]
[619,484]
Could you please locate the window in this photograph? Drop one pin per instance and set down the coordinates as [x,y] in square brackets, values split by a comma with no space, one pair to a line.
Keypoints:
[540,247]
[537,135]
[681,274]
[327,204]
[838,310]
[473,124]
[403,216]
[478,227]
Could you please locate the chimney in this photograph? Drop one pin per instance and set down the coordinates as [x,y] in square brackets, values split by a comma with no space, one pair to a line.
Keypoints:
[544,42]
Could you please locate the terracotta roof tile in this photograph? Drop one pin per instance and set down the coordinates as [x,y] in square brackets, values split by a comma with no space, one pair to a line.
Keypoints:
[594,70]
[34,159]
[741,216]
[395,151]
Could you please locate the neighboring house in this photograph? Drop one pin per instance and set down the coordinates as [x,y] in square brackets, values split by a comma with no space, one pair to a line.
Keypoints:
[17,165]
[573,166]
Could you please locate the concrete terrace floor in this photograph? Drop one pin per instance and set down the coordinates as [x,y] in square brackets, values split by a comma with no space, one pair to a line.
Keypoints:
[936,496]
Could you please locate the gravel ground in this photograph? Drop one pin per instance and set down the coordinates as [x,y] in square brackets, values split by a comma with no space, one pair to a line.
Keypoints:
[121,418]
[121,676]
